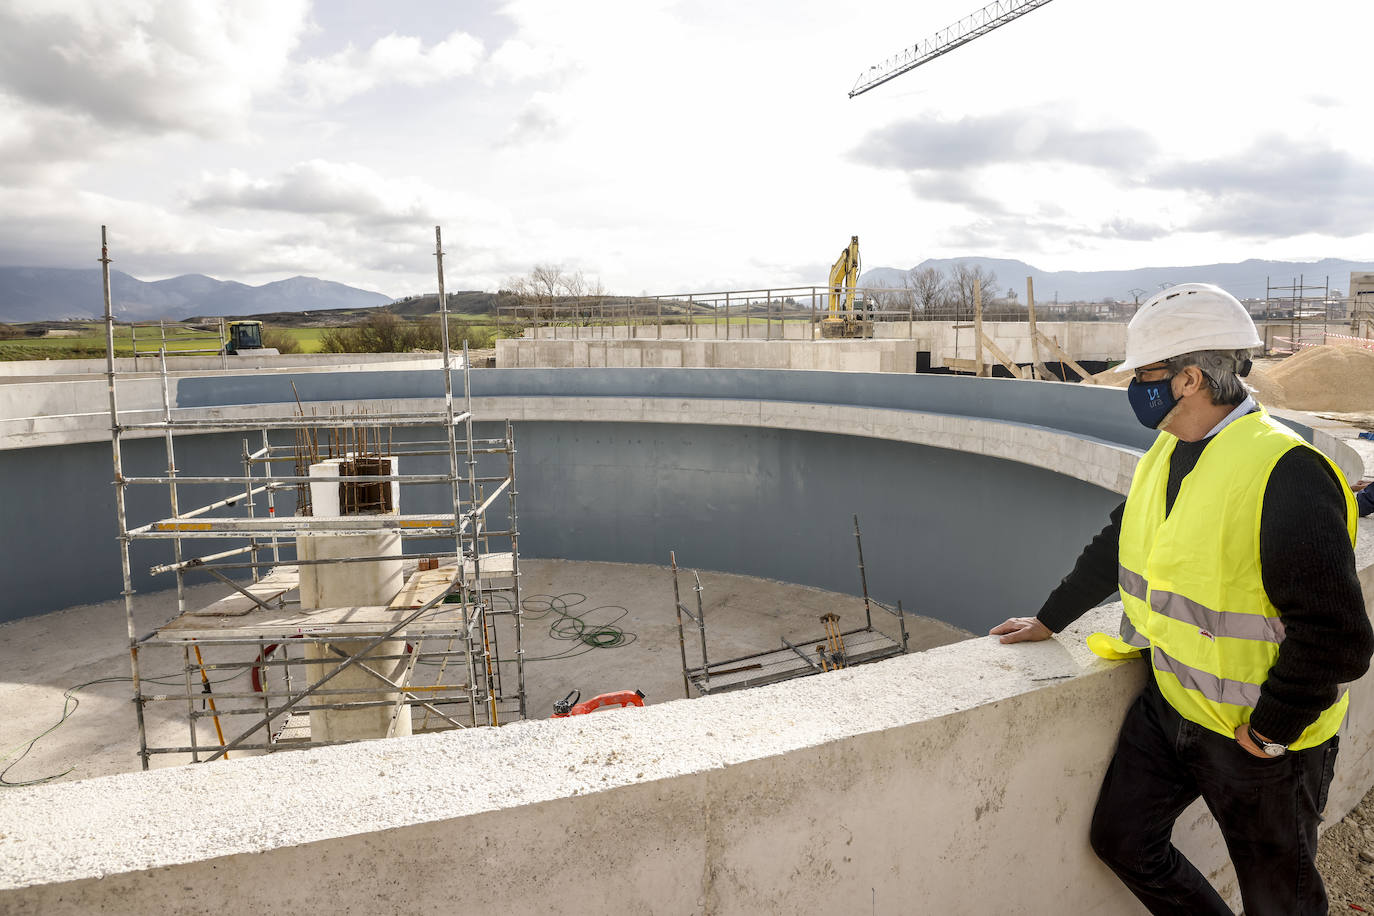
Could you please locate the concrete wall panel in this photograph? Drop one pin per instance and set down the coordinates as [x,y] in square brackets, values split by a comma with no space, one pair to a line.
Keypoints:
[907,786]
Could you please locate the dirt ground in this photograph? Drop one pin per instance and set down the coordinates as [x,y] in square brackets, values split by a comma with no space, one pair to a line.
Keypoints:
[1345,858]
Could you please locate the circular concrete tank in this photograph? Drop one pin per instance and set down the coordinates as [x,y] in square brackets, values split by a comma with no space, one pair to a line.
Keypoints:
[974,494]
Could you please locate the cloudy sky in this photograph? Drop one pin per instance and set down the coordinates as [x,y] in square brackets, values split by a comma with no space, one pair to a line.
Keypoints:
[675,146]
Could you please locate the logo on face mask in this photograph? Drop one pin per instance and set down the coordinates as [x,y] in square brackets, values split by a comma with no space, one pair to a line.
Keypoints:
[1152,401]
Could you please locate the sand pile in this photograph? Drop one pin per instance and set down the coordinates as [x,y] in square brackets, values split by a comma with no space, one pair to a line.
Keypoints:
[1323,378]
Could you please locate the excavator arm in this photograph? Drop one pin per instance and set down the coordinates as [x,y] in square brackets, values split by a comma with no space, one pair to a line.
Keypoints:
[844,276]
[842,319]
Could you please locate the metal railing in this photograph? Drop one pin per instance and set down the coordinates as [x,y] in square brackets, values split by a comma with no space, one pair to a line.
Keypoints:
[778,313]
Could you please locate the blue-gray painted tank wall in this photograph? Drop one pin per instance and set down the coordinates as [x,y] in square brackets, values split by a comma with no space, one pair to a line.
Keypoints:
[956,536]
[962,537]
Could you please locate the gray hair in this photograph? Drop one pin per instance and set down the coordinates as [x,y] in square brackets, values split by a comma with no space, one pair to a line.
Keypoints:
[1222,370]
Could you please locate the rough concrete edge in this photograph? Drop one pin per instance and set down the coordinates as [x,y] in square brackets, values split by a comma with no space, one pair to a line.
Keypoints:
[71,831]
[1096,461]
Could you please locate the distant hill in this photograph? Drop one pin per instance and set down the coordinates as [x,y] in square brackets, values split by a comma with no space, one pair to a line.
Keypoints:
[44,293]
[467,301]
[1245,280]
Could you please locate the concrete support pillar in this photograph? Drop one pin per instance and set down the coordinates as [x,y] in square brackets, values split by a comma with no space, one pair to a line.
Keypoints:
[370,583]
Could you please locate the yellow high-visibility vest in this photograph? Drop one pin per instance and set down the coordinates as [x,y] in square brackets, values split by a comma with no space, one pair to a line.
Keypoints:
[1191,583]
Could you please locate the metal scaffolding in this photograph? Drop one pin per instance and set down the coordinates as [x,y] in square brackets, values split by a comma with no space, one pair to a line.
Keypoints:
[433,653]
[832,651]
[1305,305]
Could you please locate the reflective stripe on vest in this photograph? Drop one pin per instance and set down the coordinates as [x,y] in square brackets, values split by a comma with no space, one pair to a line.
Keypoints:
[1191,583]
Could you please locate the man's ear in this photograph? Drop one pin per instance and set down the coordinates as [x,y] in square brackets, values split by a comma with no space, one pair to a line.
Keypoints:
[1192,380]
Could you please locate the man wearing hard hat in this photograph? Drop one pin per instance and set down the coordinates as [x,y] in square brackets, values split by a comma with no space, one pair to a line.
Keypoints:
[1234,557]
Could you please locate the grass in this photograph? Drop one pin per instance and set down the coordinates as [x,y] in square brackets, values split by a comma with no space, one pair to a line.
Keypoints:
[89,343]
[308,338]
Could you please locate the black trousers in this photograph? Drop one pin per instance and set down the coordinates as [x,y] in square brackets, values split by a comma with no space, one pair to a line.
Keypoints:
[1268,811]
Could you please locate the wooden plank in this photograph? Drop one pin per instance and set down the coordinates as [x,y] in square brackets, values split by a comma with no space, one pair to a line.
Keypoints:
[1036,362]
[427,584]
[1002,357]
[978,335]
[1063,357]
[271,587]
[290,621]
[495,566]
[961,365]
[423,587]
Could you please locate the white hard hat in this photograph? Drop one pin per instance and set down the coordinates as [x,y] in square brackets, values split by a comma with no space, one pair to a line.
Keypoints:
[1186,318]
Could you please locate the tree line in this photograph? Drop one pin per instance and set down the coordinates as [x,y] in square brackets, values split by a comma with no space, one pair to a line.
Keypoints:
[930,294]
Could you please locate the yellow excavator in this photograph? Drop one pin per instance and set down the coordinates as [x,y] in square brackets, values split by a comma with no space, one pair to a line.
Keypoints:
[843,318]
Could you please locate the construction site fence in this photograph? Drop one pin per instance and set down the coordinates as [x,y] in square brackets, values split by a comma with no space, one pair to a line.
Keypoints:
[782,312]
[792,313]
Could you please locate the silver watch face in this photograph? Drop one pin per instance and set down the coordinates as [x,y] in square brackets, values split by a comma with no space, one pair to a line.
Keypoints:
[1274,750]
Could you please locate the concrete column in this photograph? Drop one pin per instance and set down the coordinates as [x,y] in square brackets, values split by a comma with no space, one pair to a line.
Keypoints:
[353,585]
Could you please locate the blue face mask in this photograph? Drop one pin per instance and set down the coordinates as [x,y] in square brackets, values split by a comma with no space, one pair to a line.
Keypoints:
[1152,401]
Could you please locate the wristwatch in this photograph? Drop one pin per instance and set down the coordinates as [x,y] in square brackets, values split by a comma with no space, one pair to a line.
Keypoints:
[1271,748]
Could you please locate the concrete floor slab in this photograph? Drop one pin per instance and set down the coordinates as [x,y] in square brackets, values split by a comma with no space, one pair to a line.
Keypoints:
[45,656]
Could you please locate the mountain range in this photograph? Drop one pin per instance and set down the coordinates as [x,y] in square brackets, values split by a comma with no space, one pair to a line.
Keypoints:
[51,294]
[1245,280]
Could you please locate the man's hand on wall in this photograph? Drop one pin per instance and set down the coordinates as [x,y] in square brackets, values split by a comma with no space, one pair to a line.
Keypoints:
[1021,629]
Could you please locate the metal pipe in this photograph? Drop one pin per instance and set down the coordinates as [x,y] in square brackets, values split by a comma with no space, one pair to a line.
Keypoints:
[198,561]
[195,562]
[450,419]
[190,704]
[406,692]
[474,530]
[120,517]
[271,501]
[243,591]
[802,655]
[170,450]
[901,620]
[677,608]
[343,666]
[354,478]
[701,625]
[515,570]
[863,576]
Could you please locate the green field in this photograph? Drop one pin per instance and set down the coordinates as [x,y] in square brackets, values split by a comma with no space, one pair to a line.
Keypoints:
[89,340]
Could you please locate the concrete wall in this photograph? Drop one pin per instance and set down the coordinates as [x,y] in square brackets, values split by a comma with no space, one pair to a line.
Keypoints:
[774,330]
[604,478]
[710,464]
[829,355]
[47,368]
[1084,340]
[955,781]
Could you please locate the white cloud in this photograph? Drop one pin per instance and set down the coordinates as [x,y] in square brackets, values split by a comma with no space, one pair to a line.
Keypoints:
[661,145]
[543,116]
[319,187]
[517,59]
[391,60]
[152,67]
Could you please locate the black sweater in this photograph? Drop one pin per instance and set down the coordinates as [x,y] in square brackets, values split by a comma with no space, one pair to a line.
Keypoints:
[1309,574]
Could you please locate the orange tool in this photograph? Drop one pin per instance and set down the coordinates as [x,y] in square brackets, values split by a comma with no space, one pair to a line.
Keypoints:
[568,706]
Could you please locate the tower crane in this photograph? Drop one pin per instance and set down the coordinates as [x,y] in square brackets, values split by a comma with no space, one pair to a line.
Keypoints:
[942,42]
